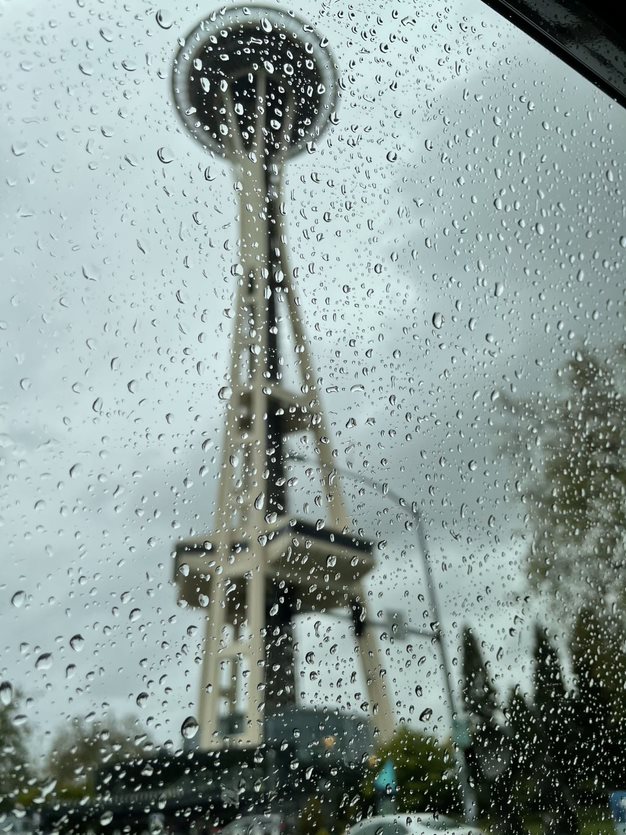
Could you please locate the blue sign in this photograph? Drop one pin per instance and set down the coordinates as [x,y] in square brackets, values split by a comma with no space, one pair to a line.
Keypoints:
[617,804]
[386,781]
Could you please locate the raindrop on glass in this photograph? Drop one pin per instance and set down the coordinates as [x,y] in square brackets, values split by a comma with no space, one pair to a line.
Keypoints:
[164,19]
[44,662]
[77,642]
[6,693]
[18,599]
[189,728]
[165,155]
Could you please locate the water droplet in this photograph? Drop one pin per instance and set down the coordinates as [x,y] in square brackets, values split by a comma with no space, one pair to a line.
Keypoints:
[106,818]
[266,25]
[70,670]
[437,320]
[18,148]
[86,69]
[622,241]
[44,662]
[90,273]
[259,501]
[426,714]
[75,471]
[189,728]
[165,155]
[18,599]
[6,693]
[77,642]
[225,393]
[164,19]
[134,615]
[392,156]
[498,290]
[25,383]
[141,699]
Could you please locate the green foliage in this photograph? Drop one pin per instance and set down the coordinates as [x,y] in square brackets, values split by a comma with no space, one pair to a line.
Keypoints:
[486,754]
[569,445]
[548,685]
[554,766]
[599,664]
[424,771]
[479,693]
[14,762]
[561,746]
[80,748]
[312,820]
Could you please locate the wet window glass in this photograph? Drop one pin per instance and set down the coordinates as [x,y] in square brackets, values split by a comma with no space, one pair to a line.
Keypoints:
[312,423]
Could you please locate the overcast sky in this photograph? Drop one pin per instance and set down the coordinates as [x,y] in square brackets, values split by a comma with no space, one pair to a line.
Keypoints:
[456,234]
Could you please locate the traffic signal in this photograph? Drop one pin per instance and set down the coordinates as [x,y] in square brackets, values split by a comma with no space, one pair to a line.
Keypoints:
[358,617]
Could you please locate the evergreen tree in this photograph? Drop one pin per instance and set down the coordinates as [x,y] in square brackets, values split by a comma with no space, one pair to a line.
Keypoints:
[479,693]
[14,761]
[553,709]
[599,664]
[523,736]
[487,752]
[548,685]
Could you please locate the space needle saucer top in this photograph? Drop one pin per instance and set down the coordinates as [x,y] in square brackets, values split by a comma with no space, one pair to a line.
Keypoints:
[251,71]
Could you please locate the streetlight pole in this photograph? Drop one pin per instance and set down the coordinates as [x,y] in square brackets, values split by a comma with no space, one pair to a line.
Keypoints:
[456,723]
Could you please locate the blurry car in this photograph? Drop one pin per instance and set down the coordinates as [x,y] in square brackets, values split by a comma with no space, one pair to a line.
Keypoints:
[256,825]
[412,824]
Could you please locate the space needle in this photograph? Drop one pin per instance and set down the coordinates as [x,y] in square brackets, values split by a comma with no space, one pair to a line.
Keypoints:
[256,86]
